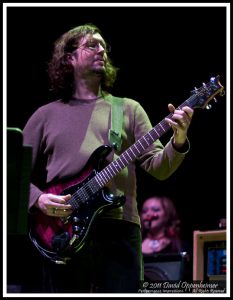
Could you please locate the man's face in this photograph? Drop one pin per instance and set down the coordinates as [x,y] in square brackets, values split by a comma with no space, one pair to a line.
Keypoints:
[90,56]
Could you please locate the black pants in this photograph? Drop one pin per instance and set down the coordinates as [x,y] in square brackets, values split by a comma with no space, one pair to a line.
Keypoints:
[109,262]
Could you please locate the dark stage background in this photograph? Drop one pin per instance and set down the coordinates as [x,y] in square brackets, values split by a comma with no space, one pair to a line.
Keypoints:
[163,53]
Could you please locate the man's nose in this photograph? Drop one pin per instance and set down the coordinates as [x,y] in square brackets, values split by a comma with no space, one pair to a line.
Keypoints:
[100,48]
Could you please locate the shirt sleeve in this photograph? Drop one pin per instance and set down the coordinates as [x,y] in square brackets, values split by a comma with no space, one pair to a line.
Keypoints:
[159,160]
[33,136]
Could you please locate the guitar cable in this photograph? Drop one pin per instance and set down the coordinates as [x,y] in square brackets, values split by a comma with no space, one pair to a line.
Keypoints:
[52,256]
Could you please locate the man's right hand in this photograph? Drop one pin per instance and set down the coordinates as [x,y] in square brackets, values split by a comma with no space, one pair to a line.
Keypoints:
[54,205]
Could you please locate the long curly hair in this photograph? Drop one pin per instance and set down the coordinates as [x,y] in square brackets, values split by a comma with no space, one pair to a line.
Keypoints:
[60,70]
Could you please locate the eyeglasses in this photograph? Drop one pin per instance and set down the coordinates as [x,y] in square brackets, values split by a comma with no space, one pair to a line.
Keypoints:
[94,46]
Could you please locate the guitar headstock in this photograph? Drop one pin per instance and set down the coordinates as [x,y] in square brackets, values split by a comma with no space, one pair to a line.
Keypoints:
[203,95]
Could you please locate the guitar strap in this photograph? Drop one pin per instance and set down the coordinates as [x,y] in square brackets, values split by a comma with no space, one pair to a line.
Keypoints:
[114,134]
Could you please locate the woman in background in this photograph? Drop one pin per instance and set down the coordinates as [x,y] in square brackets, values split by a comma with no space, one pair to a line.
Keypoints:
[160,226]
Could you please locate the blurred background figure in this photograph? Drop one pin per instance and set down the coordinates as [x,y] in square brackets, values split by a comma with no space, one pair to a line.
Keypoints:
[167,255]
[160,226]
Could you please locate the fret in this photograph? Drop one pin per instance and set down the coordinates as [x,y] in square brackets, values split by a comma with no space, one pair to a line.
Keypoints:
[145,139]
[116,165]
[98,179]
[135,146]
[128,155]
[130,149]
[132,155]
[139,147]
[123,156]
[102,177]
[113,170]
[160,129]
[104,172]
[108,172]
[154,133]
[149,133]
[141,144]
[121,164]
[96,183]
[120,160]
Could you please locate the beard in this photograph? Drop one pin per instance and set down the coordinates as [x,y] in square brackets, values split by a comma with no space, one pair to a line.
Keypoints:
[100,70]
[96,71]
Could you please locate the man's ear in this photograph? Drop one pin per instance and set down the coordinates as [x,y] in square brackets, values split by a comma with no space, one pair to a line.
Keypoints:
[70,57]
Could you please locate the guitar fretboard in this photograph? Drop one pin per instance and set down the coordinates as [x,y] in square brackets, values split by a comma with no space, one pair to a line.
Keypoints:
[133,152]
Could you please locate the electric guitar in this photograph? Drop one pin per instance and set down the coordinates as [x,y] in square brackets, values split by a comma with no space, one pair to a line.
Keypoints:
[59,238]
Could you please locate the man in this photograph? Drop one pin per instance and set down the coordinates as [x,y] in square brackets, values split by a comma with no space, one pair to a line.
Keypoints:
[64,134]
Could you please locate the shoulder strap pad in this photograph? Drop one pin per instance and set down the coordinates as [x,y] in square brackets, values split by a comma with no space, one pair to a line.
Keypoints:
[116,123]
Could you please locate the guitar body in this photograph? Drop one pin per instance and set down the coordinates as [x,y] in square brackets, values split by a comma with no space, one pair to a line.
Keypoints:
[63,235]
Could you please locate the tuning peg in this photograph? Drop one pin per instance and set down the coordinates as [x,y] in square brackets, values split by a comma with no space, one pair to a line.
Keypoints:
[215,100]
[195,89]
[203,83]
[208,106]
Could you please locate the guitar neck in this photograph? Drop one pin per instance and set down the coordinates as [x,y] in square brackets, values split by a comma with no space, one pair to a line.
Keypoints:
[198,99]
[134,151]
